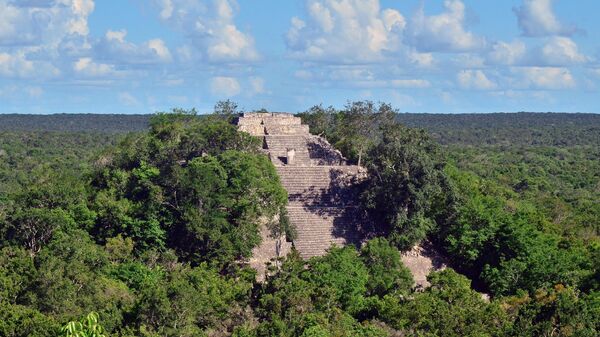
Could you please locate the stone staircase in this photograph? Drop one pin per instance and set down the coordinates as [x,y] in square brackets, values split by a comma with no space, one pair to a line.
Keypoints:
[277,145]
[320,185]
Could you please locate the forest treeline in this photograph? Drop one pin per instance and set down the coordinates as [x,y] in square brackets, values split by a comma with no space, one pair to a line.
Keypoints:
[109,123]
[524,128]
[147,234]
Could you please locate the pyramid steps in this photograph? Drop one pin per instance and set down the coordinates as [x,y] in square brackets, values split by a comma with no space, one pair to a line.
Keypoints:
[321,203]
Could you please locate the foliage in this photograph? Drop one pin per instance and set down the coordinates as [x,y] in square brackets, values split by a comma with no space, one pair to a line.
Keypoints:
[194,185]
[330,295]
[152,233]
[525,129]
[24,321]
[508,250]
[406,184]
[387,274]
[88,327]
[354,129]
[406,193]
[447,308]
[556,311]
[560,182]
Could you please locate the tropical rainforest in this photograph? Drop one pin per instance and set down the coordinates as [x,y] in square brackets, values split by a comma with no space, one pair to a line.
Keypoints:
[143,226]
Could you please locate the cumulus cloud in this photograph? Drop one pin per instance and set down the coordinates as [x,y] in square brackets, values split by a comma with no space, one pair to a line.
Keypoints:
[17,65]
[474,79]
[551,78]
[87,67]
[410,83]
[555,51]
[559,51]
[347,31]
[224,86]
[29,23]
[210,28]
[469,60]
[360,76]
[82,9]
[536,18]
[114,46]
[444,32]
[258,85]
[507,53]
[128,99]
[36,36]
[14,91]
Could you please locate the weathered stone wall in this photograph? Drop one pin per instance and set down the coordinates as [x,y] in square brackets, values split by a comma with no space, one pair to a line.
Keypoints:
[321,195]
[257,123]
[321,198]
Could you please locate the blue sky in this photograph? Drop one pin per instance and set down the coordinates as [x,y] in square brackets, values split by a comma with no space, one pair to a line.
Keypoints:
[142,56]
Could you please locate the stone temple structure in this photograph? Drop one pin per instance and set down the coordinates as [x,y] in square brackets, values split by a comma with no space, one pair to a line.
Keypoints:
[319,182]
[322,203]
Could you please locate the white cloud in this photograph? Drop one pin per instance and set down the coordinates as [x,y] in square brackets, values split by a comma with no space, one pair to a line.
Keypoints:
[160,49]
[87,67]
[116,35]
[528,95]
[82,9]
[115,48]
[402,101]
[507,53]
[468,60]
[412,83]
[443,32]
[167,9]
[536,18]
[559,51]
[556,51]
[21,92]
[9,18]
[350,73]
[258,85]
[34,23]
[474,79]
[552,78]
[18,65]
[224,86]
[346,31]
[38,37]
[15,65]
[210,28]
[128,99]
[424,60]
[34,92]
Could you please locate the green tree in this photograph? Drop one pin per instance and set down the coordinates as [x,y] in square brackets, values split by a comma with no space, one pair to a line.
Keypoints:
[88,327]
[25,321]
[448,307]
[227,110]
[407,187]
[387,274]
[360,125]
[558,311]
[195,185]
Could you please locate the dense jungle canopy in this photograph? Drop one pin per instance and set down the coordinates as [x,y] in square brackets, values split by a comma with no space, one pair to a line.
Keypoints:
[141,226]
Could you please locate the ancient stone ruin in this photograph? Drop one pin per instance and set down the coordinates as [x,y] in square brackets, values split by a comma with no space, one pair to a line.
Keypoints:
[320,184]
[322,203]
